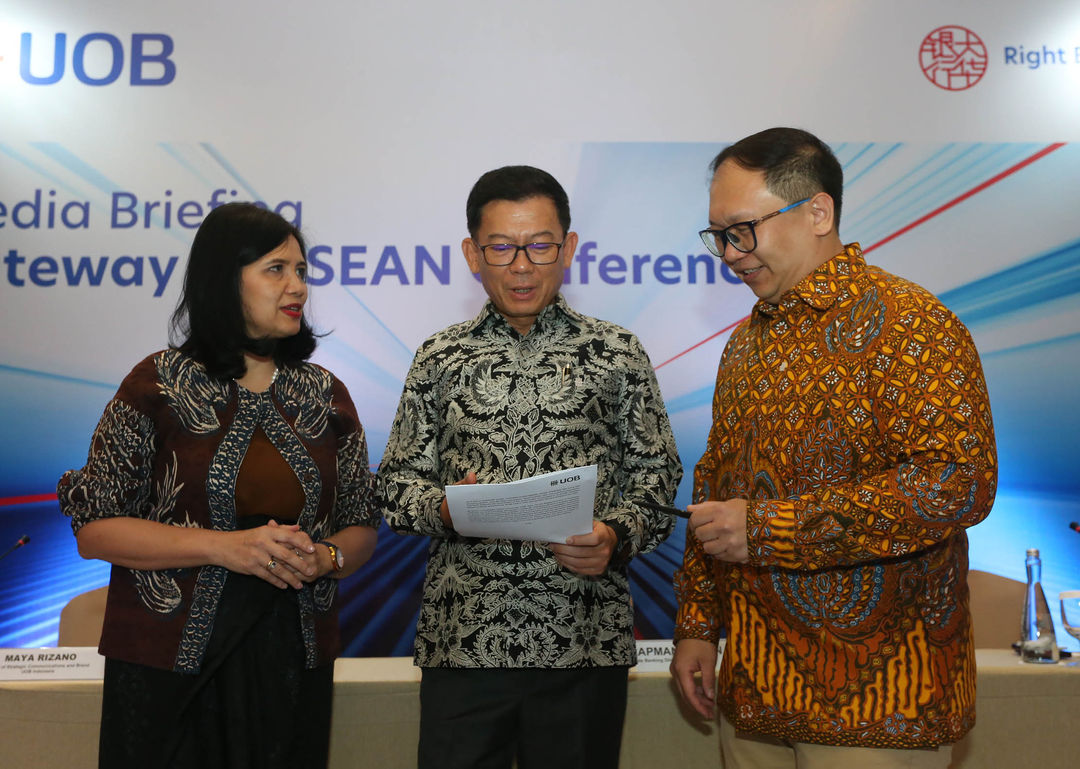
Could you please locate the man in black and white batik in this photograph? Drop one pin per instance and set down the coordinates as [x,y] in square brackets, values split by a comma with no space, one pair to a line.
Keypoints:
[525,645]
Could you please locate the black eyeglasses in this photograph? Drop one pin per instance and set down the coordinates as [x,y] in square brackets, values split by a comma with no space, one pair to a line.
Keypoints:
[740,235]
[503,254]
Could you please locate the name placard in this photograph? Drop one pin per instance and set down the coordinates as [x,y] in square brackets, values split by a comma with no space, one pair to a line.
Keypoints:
[654,656]
[71,663]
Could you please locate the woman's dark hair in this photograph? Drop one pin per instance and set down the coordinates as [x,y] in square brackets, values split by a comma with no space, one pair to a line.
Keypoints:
[515,183]
[210,316]
[796,164]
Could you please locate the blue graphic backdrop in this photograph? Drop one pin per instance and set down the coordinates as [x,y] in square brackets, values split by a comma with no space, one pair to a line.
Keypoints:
[989,227]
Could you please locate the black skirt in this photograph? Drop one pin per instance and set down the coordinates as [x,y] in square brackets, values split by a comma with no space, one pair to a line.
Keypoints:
[253,706]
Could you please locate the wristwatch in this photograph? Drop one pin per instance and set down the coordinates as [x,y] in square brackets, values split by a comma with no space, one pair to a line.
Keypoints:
[337,558]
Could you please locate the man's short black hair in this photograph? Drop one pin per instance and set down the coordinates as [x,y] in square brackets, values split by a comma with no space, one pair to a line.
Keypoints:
[210,315]
[796,164]
[515,183]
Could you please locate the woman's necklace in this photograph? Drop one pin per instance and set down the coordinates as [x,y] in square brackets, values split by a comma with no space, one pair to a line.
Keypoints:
[273,378]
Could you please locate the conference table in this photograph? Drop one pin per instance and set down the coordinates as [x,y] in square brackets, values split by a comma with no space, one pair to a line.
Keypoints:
[1027,716]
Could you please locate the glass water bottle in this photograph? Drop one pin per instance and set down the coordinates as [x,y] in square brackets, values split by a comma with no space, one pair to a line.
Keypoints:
[1037,640]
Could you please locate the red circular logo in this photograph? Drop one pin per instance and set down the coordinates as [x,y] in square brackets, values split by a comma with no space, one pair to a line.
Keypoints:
[953,58]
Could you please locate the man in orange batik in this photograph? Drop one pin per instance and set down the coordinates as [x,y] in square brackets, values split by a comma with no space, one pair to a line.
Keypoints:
[851,447]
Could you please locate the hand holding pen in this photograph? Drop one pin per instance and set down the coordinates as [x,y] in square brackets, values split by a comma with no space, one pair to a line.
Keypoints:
[663,508]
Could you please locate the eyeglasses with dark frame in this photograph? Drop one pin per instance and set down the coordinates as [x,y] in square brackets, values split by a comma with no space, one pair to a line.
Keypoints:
[504,254]
[740,235]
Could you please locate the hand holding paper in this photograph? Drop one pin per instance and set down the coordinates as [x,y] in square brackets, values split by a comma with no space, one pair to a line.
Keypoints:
[588,554]
[444,509]
[547,508]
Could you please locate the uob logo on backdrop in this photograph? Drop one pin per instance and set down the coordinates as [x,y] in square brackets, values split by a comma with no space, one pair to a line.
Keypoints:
[97,58]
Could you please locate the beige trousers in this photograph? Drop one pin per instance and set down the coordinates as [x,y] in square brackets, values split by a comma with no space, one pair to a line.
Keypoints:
[750,751]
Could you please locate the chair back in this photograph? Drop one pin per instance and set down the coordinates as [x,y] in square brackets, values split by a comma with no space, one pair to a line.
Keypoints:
[996,605]
[81,619]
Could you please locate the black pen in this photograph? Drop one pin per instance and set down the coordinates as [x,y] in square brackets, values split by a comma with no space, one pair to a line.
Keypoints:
[663,508]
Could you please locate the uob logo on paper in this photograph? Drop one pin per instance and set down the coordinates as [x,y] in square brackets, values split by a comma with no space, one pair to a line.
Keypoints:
[97,58]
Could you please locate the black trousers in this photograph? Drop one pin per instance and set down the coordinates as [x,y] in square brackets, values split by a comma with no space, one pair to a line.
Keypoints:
[546,718]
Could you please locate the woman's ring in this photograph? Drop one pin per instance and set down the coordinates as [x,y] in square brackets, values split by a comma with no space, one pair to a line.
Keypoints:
[271,564]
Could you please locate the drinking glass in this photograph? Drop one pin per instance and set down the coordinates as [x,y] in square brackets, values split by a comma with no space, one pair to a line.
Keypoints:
[1070,616]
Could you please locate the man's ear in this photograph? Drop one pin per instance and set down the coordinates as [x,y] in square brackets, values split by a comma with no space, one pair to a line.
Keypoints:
[569,248]
[472,255]
[823,213]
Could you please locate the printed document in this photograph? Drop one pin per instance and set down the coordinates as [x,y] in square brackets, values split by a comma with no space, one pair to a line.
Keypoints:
[545,508]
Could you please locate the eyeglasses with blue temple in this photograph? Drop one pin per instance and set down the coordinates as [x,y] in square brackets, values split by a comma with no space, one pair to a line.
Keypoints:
[740,235]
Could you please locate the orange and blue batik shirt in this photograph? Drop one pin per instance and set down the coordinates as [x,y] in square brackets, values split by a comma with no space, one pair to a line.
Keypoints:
[854,416]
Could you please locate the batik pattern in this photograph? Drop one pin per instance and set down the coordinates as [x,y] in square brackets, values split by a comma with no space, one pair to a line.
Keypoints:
[479,397]
[854,417]
[169,449]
